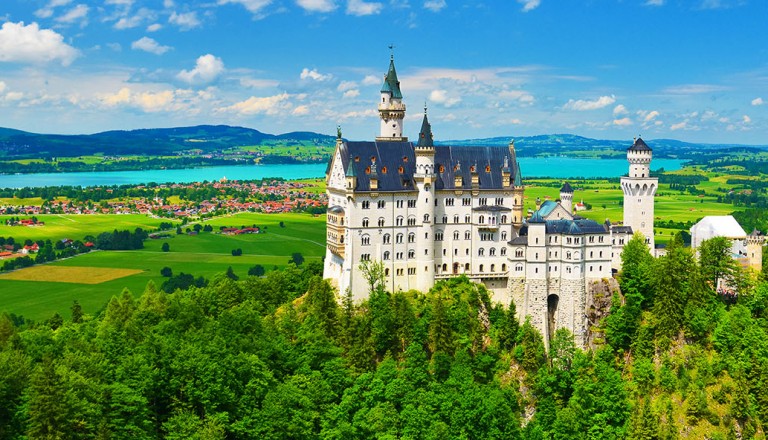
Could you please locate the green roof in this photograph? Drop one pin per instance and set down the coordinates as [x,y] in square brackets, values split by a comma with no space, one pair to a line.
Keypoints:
[425,135]
[391,84]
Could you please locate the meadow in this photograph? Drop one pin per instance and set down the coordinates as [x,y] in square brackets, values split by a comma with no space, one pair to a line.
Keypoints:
[75,227]
[206,254]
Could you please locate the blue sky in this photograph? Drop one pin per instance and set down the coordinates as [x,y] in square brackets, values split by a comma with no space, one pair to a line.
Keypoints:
[695,70]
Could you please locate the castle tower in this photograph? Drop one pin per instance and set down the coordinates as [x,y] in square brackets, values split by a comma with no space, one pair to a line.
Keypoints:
[424,178]
[639,190]
[755,242]
[566,197]
[391,107]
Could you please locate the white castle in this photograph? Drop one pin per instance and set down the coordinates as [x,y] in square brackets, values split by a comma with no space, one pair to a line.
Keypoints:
[430,212]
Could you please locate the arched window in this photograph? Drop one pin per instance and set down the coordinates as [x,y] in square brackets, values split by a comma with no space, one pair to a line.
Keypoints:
[381,221]
[481,268]
[386,255]
[492,253]
[426,218]
[411,237]
[493,267]
[482,219]
[455,235]
[365,222]
[466,267]
[399,220]
[366,239]
[399,238]
[387,238]
[480,252]
[503,251]
[503,219]
[503,267]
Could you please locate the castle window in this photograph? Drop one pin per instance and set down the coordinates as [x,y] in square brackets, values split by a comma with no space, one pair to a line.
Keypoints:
[466,267]
[386,255]
[492,252]
[399,238]
[399,220]
[466,235]
[411,237]
[365,222]
[503,235]
[380,204]
[503,267]
[455,235]
[411,271]
[519,268]
[493,267]
[449,201]
[466,201]
[400,272]
[482,219]
[442,169]
[503,251]
[412,221]
[518,252]
[481,268]
[456,218]
[411,254]
[426,218]
[381,221]
[366,204]
[601,254]
[445,219]
[366,240]
[480,252]
[399,255]
[438,236]
[386,272]
[387,238]
[503,219]
[411,203]
[365,257]
[400,169]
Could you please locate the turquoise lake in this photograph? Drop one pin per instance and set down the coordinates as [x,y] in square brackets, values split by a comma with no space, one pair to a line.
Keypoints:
[555,167]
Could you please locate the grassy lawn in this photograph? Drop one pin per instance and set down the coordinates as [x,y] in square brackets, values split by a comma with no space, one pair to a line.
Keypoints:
[205,255]
[75,226]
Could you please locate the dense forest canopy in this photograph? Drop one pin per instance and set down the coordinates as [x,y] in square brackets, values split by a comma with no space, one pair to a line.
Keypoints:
[280,356]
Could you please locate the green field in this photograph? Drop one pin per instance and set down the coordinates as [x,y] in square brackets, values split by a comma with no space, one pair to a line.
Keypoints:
[204,255]
[75,227]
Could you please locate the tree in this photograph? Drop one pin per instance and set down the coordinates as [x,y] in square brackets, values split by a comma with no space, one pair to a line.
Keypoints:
[237,252]
[717,264]
[671,286]
[373,272]
[197,227]
[256,271]
[231,274]
[77,312]
[296,258]
[166,272]
[166,247]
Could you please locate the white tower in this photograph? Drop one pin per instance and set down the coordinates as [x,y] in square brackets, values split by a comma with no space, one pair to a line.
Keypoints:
[424,178]
[639,190]
[391,107]
[566,197]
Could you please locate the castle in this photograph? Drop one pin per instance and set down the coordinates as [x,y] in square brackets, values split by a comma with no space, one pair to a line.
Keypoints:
[429,212]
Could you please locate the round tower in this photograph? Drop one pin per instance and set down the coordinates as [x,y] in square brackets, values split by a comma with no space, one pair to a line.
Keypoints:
[424,178]
[639,191]
[755,242]
[566,197]
[391,107]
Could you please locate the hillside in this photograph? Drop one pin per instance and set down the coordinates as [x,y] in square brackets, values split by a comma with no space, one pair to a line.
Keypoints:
[15,144]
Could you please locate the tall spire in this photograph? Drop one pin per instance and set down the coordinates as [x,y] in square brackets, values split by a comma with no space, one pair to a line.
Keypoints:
[391,84]
[425,135]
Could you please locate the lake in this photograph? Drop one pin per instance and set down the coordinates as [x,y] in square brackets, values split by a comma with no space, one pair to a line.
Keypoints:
[554,167]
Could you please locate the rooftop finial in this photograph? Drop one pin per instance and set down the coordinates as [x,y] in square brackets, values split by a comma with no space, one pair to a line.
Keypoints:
[425,106]
[338,132]
[392,51]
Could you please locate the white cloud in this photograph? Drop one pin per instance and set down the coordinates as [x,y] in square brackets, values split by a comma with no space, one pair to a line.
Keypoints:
[623,122]
[346,85]
[529,5]
[207,68]
[148,101]
[654,3]
[30,44]
[135,19]
[78,13]
[149,45]
[371,80]
[47,11]
[269,105]
[434,5]
[115,47]
[185,20]
[317,5]
[757,101]
[354,93]
[679,126]
[650,116]
[313,75]
[583,105]
[2,86]
[746,119]
[441,97]
[253,6]
[361,8]
[517,95]
[300,110]
[258,83]
[694,89]
[620,110]
[154,27]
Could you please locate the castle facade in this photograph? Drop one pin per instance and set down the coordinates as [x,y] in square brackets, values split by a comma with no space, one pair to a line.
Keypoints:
[429,212]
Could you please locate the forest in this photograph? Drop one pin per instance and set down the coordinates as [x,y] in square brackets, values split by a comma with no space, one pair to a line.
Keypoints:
[283,356]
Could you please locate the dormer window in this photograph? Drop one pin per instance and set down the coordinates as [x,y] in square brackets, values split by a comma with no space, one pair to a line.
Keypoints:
[442,169]
[487,168]
[405,158]
[400,170]
[367,170]
[384,170]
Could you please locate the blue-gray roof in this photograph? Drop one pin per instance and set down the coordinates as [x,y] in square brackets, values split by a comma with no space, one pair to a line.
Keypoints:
[546,208]
[450,161]
[566,188]
[639,145]
[575,227]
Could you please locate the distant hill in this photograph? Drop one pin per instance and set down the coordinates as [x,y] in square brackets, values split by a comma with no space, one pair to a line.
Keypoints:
[152,141]
[572,145]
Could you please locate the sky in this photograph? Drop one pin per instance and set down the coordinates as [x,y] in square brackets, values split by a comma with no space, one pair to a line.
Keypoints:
[693,70]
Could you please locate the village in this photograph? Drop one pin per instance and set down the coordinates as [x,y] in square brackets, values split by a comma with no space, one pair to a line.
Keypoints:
[273,196]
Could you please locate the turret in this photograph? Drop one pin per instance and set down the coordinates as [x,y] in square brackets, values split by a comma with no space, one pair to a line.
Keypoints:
[424,178]
[755,242]
[639,190]
[391,107]
[639,156]
[566,197]
[351,175]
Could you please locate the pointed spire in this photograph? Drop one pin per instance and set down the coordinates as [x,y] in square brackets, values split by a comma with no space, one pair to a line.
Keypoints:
[518,176]
[391,84]
[425,135]
[351,167]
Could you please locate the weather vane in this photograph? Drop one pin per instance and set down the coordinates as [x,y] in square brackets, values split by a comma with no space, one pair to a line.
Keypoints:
[392,51]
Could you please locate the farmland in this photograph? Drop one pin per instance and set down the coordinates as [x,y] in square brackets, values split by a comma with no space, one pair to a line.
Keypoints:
[75,227]
[203,255]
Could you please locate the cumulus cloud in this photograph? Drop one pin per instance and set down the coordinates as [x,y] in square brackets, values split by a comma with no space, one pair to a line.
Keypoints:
[346,85]
[147,101]
[354,93]
[757,101]
[313,75]
[48,10]
[268,105]
[583,105]
[185,20]
[746,119]
[135,19]
[651,116]
[317,5]
[623,122]
[253,6]
[434,5]
[2,86]
[679,126]
[361,8]
[441,97]
[30,44]
[517,95]
[207,68]
[149,45]
[620,110]
[529,5]
[300,110]
[154,27]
